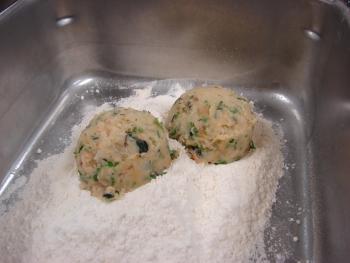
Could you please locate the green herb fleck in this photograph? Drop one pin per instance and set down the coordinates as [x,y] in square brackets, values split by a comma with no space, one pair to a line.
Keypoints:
[110,163]
[142,144]
[154,175]
[220,162]
[175,116]
[233,110]
[95,176]
[173,154]
[108,195]
[204,119]
[193,130]
[158,123]
[82,177]
[220,105]
[112,180]
[158,134]
[233,143]
[94,137]
[197,149]
[240,98]
[80,149]
[252,145]
[137,130]
[173,132]
[189,105]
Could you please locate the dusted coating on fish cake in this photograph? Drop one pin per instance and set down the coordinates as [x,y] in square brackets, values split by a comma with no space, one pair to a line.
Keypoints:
[213,123]
[121,150]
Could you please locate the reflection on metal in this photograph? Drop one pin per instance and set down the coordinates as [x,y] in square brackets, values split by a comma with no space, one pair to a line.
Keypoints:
[286,101]
[282,97]
[64,21]
[7,180]
[82,82]
[312,35]
[237,43]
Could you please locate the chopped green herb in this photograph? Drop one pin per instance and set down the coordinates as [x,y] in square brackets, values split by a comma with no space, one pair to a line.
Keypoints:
[252,145]
[179,100]
[142,144]
[233,110]
[110,163]
[158,123]
[189,105]
[154,175]
[220,105]
[207,103]
[175,116]
[197,149]
[173,132]
[81,148]
[233,143]
[94,137]
[108,195]
[137,130]
[173,154]
[112,180]
[240,98]
[158,134]
[220,162]
[204,119]
[95,176]
[193,130]
[82,177]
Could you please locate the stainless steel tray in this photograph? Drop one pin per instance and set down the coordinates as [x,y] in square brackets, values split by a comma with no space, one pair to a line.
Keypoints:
[54,134]
[291,57]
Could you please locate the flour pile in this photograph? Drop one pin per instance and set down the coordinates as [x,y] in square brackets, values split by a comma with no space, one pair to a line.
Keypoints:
[194,213]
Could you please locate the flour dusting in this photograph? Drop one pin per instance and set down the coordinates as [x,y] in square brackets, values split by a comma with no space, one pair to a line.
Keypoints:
[193,213]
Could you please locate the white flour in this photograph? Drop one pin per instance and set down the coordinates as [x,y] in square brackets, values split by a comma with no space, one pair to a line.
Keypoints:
[194,213]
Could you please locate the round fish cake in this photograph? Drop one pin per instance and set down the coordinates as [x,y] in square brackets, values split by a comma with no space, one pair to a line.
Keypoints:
[121,150]
[213,123]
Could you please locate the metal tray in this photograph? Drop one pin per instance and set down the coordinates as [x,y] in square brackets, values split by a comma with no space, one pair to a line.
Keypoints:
[291,57]
[291,213]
